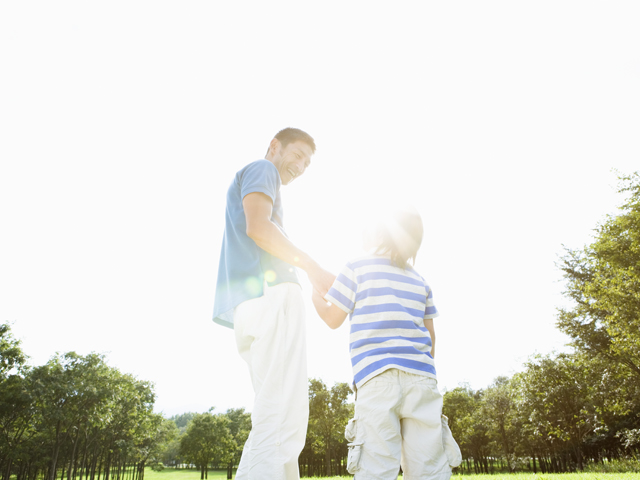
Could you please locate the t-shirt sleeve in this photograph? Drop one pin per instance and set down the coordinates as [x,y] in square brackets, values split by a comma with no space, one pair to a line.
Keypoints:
[261,176]
[343,291]
[430,310]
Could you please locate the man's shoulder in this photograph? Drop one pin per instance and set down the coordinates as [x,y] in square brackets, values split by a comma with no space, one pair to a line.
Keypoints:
[259,176]
[257,167]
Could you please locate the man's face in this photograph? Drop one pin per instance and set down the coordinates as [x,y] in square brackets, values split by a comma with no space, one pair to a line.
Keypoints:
[292,160]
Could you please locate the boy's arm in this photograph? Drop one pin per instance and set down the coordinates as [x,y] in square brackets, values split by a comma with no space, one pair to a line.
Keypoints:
[257,210]
[428,324]
[332,315]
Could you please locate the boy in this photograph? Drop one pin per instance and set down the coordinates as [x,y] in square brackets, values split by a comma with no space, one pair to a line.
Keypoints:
[398,411]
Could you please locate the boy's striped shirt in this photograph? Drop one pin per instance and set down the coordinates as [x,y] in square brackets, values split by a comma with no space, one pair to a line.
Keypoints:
[387,307]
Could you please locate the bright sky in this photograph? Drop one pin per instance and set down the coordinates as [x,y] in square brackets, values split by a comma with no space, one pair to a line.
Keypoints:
[122,124]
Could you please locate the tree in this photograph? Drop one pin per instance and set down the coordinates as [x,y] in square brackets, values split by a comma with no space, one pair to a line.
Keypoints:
[603,280]
[74,416]
[169,448]
[183,420]
[559,404]
[208,440]
[239,426]
[12,359]
[15,401]
[64,397]
[87,415]
[498,407]
[462,406]
[329,413]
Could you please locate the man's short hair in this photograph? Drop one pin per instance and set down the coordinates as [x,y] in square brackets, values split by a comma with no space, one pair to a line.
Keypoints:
[289,135]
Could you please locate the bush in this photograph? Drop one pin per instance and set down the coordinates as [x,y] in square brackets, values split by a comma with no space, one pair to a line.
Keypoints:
[621,465]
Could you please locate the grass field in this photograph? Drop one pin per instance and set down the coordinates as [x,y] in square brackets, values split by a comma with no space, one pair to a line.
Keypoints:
[171,474]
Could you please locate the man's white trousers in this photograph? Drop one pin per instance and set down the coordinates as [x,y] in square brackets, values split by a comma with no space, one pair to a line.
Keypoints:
[271,337]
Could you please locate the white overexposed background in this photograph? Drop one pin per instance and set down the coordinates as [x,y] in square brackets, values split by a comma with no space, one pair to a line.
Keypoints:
[122,125]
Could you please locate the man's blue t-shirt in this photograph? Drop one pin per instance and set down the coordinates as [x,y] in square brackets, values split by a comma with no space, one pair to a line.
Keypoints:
[245,267]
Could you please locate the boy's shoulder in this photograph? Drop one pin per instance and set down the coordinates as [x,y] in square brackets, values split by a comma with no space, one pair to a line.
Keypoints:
[372,260]
[367,261]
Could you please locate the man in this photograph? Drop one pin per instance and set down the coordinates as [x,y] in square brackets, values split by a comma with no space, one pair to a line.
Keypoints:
[258,295]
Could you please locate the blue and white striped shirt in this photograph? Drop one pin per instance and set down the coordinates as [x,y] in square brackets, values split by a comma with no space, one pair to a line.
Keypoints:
[387,307]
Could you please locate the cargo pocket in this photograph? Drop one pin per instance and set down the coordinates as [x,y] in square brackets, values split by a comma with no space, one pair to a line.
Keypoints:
[451,448]
[353,460]
[355,448]
[350,431]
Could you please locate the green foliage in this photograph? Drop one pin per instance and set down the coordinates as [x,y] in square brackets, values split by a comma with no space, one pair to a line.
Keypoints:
[239,427]
[555,394]
[554,416]
[463,407]
[207,441]
[615,466]
[603,280]
[561,413]
[16,401]
[168,452]
[499,408]
[182,420]
[12,359]
[329,411]
[75,414]
[630,437]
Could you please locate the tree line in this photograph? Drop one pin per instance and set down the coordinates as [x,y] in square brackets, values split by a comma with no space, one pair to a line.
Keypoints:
[206,440]
[209,440]
[78,418]
[74,417]
[562,411]
[566,410]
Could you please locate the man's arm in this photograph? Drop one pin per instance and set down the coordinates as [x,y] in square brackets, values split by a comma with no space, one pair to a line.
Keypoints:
[332,315]
[257,210]
[428,323]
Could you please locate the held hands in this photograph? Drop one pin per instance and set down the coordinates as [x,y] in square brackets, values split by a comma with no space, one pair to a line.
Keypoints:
[320,304]
[332,315]
[321,280]
[316,298]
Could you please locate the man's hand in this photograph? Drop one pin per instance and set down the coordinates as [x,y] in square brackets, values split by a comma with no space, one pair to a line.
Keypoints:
[320,279]
[317,299]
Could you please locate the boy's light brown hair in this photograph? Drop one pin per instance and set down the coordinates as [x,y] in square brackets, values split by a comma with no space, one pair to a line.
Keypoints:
[400,236]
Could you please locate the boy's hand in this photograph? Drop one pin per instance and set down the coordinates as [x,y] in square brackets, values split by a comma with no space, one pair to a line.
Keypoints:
[321,279]
[332,315]
[316,297]
[318,302]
